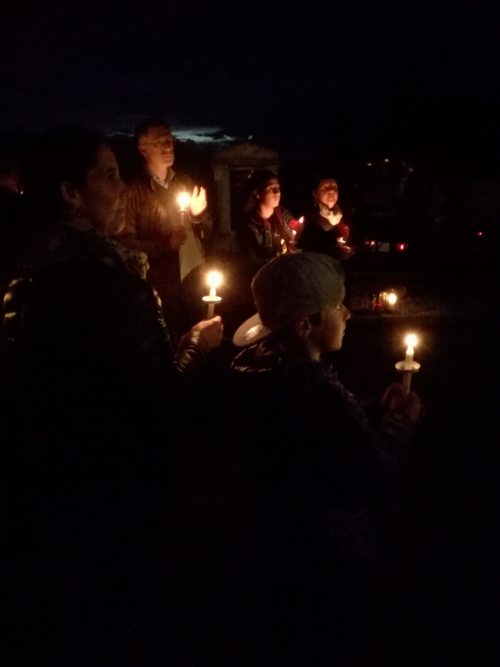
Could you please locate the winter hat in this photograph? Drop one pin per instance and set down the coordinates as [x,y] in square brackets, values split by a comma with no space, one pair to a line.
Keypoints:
[290,287]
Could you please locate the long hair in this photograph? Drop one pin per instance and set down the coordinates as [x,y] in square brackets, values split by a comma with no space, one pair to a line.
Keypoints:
[63,154]
[256,183]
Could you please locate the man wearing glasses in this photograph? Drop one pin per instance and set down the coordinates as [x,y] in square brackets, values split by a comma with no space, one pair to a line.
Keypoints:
[155,223]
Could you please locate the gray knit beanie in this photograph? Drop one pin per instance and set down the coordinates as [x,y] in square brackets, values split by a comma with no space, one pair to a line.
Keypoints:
[295,285]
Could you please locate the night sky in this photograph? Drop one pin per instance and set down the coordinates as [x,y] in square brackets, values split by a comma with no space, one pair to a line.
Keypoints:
[401,75]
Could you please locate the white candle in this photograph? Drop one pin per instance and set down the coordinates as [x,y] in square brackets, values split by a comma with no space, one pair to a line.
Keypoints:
[214,279]
[183,199]
[411,341]
[406,382]
[409,355]
[408,366]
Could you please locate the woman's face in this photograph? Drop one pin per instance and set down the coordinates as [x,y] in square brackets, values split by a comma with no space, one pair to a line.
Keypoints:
[270,194]
[101,195]
[327,192]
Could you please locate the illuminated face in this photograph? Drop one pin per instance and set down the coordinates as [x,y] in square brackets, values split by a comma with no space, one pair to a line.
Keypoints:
[157,148]
[327,336]
[327,192]
[270,194]
[101,195]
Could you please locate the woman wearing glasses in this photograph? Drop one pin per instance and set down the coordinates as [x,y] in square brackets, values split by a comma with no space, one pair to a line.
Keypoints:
[264,228]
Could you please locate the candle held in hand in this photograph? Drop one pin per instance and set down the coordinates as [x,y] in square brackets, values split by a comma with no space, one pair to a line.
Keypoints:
[183,199]
[408,366]
[411,341]
[214,279]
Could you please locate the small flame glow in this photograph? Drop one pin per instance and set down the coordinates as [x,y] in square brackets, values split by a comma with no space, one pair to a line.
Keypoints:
[183,199]
[214,279]
[411,340]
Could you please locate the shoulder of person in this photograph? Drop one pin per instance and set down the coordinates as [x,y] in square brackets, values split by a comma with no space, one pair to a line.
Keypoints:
[137,185]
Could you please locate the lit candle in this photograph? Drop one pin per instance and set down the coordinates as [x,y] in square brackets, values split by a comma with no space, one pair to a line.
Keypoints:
[410,341]
[214,279]
[408,366]
[183,199]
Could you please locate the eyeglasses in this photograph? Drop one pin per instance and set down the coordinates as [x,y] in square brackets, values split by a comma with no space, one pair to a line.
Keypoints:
[160,143]
[275,189]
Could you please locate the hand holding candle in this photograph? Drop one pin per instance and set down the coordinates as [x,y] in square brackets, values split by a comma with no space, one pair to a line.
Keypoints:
[214,279]
[408,366]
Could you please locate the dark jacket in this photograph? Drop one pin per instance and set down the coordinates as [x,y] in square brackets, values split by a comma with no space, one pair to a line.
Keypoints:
[323,479]
[152,218]
[318,235]
[259,239]
[315,424]
[91,402]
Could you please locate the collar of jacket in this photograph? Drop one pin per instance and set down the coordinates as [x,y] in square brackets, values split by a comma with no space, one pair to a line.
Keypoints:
[153,179]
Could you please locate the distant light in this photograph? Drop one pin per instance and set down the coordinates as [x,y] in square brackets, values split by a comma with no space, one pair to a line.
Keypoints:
[402,247]
[368,164]
[391,298]
[386,159]
[479,232]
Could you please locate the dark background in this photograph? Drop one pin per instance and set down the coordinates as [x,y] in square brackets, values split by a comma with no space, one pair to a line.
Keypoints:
[352,78]
[335,84]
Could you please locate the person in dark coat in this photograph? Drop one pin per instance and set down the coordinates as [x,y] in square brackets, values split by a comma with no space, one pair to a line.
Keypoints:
[263,228]
[324,469]
[325,228]
[92,398]
[170,233]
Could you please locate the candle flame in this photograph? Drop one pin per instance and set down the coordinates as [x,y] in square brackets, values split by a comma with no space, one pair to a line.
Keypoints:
[411,340]
[183,199]
[214,279]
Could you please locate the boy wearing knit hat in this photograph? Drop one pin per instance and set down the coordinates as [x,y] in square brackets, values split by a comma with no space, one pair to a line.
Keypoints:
[323,470]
